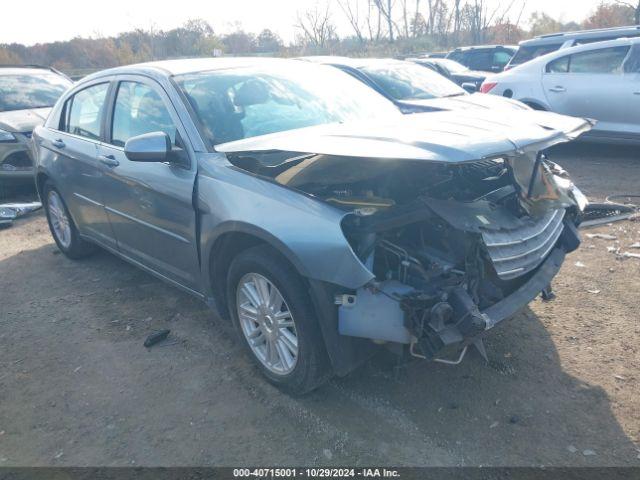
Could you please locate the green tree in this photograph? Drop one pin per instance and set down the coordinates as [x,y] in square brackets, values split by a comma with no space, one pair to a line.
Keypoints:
[268,42]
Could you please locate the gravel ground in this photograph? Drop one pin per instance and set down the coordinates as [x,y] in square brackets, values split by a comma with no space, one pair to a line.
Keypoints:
[77,387]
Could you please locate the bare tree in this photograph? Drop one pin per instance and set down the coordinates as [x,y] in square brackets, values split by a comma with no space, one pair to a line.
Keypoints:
[351,9]
[634,6]
[385,7]
[478,18]
[371,7]
[317,26]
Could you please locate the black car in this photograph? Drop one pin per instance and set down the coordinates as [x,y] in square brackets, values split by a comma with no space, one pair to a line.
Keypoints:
[485,58]
[468,79]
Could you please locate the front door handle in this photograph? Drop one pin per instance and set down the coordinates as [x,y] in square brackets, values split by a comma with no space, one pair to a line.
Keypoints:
[58,143]
[558,89]
[108,160]
[636,93]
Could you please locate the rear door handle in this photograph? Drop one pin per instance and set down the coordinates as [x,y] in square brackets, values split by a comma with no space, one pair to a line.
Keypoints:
[58,143]
[108,160]
[558,89]
[636,93]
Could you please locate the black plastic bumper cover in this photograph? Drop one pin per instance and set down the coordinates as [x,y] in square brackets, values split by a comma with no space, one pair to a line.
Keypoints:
[508,307]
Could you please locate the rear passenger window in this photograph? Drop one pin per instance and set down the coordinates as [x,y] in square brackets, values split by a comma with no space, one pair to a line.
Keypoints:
[604,60]
[85,111]
[138,110]
[632,65]
[480,60]
[559,65]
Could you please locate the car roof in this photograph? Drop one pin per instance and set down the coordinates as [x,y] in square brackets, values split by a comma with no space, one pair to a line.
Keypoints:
[441,61]
[577,49]
[189,65]
[580,34]
[483,47]
[352,62]
[25,70]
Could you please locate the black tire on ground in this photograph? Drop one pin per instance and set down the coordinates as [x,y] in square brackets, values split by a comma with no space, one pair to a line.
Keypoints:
[312,367]
[77,248]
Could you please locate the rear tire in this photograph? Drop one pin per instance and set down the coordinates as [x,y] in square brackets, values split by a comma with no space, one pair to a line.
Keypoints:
[61,224]
[276,321]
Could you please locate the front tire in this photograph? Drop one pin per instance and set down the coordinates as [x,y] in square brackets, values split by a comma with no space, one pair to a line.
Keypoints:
[276,321]
[61,224]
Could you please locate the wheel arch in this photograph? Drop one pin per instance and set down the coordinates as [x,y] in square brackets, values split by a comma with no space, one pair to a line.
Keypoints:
[232,239]
[345,353]
[535,104]
[41,178]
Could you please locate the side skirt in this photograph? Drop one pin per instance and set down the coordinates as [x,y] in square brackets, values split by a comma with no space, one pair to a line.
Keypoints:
[145,268]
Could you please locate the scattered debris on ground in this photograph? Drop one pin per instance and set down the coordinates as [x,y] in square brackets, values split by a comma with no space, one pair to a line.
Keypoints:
[156,337]
[603,236]
[10,211]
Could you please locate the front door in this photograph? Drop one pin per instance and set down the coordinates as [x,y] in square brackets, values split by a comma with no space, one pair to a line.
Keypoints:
[150,204]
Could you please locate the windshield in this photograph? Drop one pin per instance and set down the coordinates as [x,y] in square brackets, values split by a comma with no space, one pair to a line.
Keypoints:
[237,103]
[23,91]
[406,81]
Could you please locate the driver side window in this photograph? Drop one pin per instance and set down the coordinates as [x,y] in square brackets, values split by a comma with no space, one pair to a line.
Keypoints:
[138,110]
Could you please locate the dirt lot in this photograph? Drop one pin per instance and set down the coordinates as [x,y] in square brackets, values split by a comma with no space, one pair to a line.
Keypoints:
[78,388]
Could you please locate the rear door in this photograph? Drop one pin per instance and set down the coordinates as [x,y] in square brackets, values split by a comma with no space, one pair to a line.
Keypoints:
[590,84]
[150,205]
[79,174]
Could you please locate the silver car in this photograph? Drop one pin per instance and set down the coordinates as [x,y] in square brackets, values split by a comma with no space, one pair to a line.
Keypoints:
[599,80]
[26,96]
[297,201]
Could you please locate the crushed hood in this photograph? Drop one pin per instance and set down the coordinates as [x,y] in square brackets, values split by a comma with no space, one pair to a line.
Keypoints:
[447,137]
[21,121]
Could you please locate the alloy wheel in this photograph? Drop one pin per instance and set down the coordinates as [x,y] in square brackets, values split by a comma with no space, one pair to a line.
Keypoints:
[60,222]
[267,323]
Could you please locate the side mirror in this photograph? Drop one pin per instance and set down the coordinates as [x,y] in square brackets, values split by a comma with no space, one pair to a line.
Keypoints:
[150,147]
[470,87]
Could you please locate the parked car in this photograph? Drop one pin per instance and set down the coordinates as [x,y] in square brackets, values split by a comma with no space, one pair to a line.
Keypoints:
[308,208]
[598,80]
[543,44]
[27,93]
[454,71]
[434,55]
[413,88]
[484,58]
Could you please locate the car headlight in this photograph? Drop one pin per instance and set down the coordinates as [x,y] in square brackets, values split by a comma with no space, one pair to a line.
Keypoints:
[6,137]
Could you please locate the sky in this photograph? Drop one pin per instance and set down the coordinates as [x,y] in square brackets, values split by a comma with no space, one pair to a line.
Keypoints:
[51,20]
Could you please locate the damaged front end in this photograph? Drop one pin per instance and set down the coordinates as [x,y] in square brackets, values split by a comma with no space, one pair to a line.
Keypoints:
[456,239]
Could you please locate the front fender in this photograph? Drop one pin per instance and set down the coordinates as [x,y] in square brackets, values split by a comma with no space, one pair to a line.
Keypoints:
[305,230]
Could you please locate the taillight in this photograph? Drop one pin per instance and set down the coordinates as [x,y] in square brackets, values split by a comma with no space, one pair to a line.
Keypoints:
[486,87]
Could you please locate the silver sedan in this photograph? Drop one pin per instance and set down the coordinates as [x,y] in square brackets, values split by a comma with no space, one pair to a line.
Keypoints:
[598,80]
[306,207]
